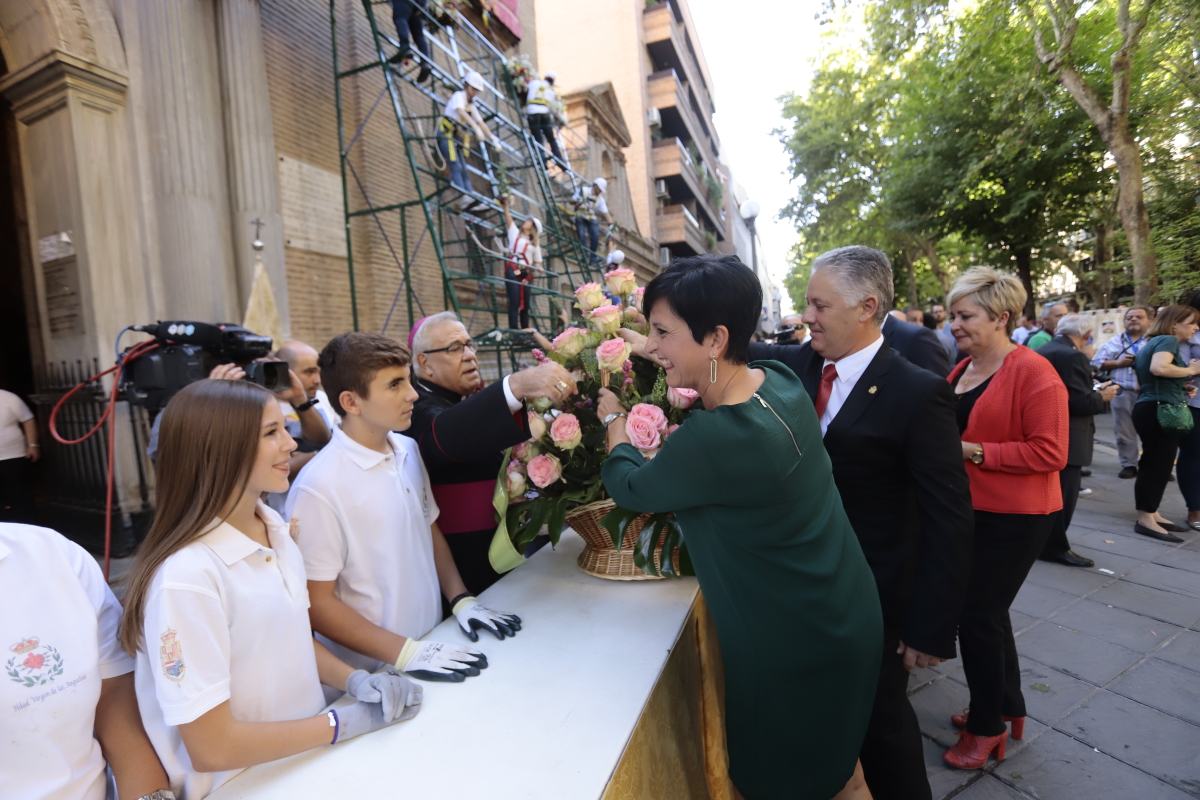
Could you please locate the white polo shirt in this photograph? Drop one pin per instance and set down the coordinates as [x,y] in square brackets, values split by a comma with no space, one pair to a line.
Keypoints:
[59,632]
[226,620]
[13,412]
[364,521]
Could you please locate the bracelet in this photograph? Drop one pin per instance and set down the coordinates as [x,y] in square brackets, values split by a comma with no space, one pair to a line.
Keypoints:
[300,409]
[454,600]
[335,723]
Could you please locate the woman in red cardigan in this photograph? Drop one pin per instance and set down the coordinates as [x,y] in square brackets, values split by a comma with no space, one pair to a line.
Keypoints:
[1012,412]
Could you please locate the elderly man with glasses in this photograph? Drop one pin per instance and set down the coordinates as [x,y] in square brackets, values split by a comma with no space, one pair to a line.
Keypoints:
[463,429]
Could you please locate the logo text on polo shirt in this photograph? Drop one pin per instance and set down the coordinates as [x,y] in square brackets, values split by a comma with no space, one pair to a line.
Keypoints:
[170,655]
[33,663]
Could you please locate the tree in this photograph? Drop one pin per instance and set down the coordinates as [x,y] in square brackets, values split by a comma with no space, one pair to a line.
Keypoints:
[1111,118]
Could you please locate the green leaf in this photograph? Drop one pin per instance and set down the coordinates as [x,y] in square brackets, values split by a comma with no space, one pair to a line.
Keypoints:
[615,522]
[556,518]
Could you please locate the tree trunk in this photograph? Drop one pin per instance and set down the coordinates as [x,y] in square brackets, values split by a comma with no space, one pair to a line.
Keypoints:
[1101,257]
[1135,220]
[910,274]
[1024,256]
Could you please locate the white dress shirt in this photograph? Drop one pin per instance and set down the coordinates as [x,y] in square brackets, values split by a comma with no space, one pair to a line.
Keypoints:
[849,369]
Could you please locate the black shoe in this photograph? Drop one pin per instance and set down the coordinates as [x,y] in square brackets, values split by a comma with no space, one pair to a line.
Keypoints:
[1085,472]
[1172,527]
[1072,559]
[1170,477]
[424,73]
[1127,472]
[1153,534]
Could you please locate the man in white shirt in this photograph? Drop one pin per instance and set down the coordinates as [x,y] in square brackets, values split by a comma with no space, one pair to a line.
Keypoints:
[18,451]
[460,120]
[1116,357]
[591,208]
[366,516]
[540,103]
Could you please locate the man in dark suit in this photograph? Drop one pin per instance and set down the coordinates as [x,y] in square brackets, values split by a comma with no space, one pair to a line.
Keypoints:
[890,431]
[1065,353]
[918,344]
[463,428]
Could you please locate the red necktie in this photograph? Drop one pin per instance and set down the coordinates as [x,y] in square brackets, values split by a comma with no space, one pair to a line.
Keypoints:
[828,376]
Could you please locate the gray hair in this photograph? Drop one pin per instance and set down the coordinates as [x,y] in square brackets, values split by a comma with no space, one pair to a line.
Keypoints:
[423,339]
[862,272]
[1075,325]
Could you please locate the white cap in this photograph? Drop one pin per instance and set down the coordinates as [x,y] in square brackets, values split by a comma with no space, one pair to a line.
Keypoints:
[616,257]
[474,80]
[550,76]
[537,224]
[600,183]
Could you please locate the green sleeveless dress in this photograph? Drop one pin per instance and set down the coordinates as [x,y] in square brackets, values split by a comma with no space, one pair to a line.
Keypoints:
[791,595]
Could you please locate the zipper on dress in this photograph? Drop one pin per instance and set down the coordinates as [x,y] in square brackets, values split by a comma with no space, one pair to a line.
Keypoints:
[786,427]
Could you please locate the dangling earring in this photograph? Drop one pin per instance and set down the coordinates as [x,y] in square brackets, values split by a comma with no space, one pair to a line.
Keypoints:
[712,370]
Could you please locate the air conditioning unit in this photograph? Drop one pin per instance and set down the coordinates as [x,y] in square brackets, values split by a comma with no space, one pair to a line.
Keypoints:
[653,118]
[660,188]
[664,257]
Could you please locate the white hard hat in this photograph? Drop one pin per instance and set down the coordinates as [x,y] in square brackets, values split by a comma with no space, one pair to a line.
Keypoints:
[474,80]
[537,224]
[616,257]
[550,76]
[600,183]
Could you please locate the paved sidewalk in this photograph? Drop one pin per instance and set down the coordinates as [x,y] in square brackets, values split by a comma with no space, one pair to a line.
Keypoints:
[1110,665]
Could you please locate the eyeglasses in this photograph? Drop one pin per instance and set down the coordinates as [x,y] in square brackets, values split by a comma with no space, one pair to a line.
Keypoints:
[455,348]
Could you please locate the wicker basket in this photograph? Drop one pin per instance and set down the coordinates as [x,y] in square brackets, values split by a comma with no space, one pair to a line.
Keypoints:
[599,558]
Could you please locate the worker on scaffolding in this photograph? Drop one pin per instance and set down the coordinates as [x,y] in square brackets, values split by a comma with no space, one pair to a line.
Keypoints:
[591,208]
[408,16]
[460,120]
[540,103]
[523,260]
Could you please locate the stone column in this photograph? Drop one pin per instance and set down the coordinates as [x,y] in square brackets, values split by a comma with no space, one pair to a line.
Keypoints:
[250,148]
[179,88]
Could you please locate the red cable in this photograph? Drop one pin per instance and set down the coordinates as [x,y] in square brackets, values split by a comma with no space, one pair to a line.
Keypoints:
[110,417]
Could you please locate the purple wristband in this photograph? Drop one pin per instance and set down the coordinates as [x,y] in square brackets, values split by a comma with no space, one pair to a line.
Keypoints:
[337,725]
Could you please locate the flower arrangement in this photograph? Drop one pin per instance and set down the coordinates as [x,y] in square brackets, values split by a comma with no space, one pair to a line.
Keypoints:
[521,72]
[558,469]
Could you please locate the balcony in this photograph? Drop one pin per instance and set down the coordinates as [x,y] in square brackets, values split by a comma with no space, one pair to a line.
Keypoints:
[685,182]
[669,95]
[679,231]
[670,47]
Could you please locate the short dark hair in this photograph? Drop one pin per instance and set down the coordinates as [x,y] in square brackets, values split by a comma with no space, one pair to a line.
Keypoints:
[350,362]
[707,291]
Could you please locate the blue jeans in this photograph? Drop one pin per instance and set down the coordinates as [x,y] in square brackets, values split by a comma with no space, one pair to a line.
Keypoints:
[589,236]
[406,16]
[458,168]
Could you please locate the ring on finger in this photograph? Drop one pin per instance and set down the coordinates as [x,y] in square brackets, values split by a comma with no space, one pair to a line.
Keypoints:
[562,387]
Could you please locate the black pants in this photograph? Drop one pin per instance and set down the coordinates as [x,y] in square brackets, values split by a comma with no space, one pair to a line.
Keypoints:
[1158,456]
[16,490]
[892,759]
[408,17]
[1056,542]
[542,128]
[1006,545]
[1188,468]
[470,551]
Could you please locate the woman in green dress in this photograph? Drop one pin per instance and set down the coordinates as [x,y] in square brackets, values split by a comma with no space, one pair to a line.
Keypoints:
[794,602]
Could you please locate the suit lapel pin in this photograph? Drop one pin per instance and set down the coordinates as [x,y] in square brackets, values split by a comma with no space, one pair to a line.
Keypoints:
[873,390]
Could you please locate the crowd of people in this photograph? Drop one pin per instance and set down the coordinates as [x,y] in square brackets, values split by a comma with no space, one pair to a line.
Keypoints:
[888,503]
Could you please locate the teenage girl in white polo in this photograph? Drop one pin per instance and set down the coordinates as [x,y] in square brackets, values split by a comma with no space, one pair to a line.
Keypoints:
[228,674]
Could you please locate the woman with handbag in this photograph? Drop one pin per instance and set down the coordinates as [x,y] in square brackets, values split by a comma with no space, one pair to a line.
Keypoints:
[1161,415]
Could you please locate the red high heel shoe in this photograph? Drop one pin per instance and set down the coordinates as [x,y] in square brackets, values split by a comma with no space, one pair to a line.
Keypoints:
[971,751]
[959,721]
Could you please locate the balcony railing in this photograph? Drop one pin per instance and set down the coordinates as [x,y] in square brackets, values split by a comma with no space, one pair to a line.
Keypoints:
[680,231]
[685,179]
[669,45]
[669,94]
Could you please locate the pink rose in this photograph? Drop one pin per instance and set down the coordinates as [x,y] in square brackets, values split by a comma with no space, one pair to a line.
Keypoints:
[612,354]
[565,431]
[620,281]
[544,470]
[525,451]
[682,398]
[537,427]
[605,319]
[643,433]
[570,342]
[652,413]
[589,296]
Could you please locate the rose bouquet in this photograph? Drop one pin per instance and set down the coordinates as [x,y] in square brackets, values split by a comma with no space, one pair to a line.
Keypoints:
[558,469]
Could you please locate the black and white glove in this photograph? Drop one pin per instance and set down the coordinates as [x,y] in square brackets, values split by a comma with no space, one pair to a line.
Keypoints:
[435,661]
[472,616]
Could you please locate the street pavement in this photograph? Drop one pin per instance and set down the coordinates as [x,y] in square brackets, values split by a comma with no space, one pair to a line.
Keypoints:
[1110,664]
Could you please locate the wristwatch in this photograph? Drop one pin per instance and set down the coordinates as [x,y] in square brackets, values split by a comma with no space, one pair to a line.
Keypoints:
[159,794]
[300,409]
[977,455]
[609,419]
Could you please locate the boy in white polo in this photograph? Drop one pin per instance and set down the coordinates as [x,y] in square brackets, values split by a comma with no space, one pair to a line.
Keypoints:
[377,564]
[66,688]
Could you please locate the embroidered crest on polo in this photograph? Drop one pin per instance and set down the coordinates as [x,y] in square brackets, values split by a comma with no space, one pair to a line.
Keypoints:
[33,663]
[170,655]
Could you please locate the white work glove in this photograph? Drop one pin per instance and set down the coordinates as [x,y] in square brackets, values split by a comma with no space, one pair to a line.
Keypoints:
[397,696]
[472,616]
[363,717]
[435,661]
